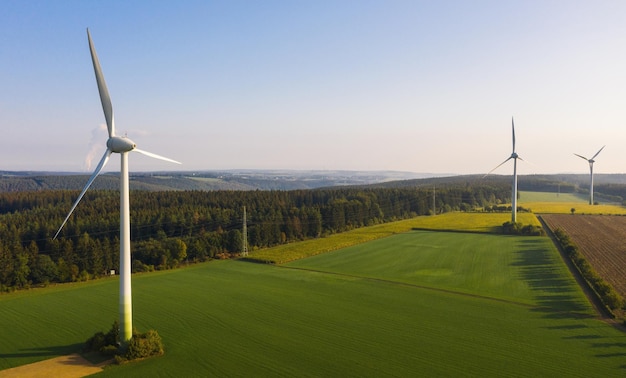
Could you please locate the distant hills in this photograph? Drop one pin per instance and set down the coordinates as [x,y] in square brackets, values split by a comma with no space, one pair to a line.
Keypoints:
[609,184]
[205,180]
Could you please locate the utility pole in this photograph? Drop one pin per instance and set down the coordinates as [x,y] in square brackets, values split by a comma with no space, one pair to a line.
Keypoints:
[434,203]
[244,252]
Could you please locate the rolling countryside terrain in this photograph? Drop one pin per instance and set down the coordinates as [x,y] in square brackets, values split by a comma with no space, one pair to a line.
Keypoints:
[432,303]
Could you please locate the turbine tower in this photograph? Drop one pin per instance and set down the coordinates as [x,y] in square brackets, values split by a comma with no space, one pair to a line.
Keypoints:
[591,161]
[120,145]
[513,156]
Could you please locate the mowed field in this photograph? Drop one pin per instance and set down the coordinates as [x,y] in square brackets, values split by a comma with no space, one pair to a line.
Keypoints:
[425,303]
[601,240]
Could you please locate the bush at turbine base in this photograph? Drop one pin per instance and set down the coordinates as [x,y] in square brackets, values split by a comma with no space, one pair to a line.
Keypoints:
[140,346]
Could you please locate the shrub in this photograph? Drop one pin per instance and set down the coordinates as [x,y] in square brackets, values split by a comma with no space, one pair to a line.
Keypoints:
[109,350]
[142,345]
[95,342]
[613,300]
[518,228]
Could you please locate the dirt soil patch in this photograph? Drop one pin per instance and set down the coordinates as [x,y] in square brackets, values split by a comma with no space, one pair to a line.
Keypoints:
[72,366]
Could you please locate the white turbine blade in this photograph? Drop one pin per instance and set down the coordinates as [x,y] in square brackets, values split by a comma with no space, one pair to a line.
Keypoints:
[95,173]
[513,130]
[499,165]
[102,88]
[156,156]
[582,157]
[594,156]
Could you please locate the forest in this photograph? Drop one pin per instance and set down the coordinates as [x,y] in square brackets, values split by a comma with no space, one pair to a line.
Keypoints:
[169,228]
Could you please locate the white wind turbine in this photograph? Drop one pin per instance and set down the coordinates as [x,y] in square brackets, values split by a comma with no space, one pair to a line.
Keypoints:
[513,156]
[122,146]
[591,161]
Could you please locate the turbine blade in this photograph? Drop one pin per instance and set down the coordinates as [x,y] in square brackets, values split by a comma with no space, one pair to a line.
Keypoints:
[582,157]
[594,156]
[102,89]
[499,165]
[513,129]
[156,156]
[95,173]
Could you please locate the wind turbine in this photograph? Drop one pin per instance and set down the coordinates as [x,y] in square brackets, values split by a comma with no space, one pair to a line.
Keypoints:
[120,145]
[591,161]
[513,156]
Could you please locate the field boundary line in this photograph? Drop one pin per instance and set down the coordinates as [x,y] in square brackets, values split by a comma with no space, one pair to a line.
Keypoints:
[447,291]
[417,286]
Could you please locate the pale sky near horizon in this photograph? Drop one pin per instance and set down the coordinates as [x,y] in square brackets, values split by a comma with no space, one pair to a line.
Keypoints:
[420,86]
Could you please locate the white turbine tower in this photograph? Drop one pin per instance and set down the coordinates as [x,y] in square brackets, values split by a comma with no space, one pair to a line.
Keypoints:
[591,161]
[122,146]
[513,156]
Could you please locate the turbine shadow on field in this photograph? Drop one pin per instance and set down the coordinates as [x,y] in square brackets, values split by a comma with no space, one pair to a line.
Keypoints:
[51,351]
[555,295]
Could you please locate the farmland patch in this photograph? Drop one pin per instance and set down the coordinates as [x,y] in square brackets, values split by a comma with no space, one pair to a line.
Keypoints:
[229,318]
[600,239]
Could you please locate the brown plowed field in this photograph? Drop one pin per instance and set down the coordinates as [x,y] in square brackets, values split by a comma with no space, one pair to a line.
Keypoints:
[601,239]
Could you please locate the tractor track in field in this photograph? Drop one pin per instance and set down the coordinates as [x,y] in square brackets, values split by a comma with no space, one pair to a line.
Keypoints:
[447,291]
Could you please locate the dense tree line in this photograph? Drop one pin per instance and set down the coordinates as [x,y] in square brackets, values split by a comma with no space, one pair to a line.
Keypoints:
[611,192]
[169,228]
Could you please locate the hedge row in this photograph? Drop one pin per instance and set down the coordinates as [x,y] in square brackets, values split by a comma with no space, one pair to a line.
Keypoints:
[605,291]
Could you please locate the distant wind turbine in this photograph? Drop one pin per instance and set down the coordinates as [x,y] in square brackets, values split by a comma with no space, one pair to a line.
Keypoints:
[591,161]
[513,156]
[120,145]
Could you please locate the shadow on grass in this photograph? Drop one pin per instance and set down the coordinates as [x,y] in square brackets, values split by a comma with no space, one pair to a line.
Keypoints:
[556,296]
[51,351]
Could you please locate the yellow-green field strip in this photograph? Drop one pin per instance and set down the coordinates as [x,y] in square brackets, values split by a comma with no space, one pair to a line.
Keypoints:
[462,222]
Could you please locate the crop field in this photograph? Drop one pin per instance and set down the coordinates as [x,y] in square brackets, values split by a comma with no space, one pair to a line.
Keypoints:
[550,203]
[456,261]
[466,222]
[601,240]
[426,303]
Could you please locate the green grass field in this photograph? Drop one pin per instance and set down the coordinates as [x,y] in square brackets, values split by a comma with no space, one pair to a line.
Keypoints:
[495,266]
[425,303]
[468,222]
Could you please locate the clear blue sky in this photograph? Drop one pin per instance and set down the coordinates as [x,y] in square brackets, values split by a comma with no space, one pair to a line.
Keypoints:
[422,86]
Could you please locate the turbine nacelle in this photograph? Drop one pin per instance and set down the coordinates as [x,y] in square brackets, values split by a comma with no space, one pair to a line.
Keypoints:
[120,144]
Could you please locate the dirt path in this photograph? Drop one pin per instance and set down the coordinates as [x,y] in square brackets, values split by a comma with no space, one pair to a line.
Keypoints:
[72,366]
